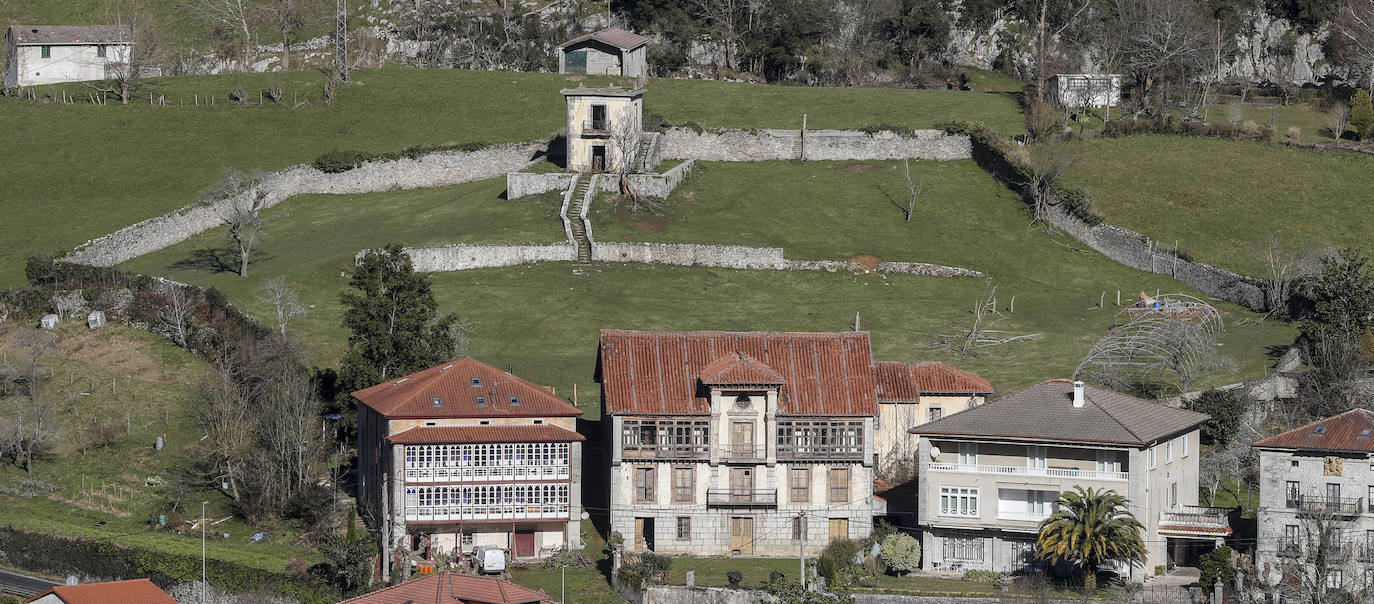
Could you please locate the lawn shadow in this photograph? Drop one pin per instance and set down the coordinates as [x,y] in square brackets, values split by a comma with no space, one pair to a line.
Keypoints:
[216,259]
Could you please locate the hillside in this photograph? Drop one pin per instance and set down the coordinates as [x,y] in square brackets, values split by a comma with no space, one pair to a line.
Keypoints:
[1218,199]
[155,159]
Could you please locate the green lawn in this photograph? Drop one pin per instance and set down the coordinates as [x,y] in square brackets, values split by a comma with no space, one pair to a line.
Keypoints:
[1217,198]
[156,159]
[133,383]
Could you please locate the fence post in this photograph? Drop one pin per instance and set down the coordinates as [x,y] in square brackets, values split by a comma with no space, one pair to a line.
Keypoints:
[1216,591]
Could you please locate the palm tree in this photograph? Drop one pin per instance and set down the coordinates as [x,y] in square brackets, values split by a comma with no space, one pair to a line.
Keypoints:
[1090,527]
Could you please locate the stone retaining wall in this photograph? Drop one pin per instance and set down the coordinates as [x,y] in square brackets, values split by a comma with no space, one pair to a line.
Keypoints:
[521,184]
[751,258]
[662,185]
[464,257]
[768,145]
[434,170]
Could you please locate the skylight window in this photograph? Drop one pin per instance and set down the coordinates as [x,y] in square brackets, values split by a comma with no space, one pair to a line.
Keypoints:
[1365,432]
[438,402]
[476,382]
[481,401]
[1319,430]
[514,401]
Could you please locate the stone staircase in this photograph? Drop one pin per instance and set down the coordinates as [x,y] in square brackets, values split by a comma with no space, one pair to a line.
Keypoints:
[579,230]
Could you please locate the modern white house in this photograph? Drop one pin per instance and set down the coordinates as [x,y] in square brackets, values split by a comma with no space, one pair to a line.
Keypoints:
[990,474]
[1314,478]
[739,443]
[611,51]
[1084,90]
[49,54]
[464,454]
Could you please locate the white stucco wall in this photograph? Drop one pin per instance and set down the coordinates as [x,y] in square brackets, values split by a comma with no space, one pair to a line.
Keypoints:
[66,63]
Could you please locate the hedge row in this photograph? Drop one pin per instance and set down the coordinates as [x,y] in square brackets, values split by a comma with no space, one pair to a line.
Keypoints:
[1129,126]
[334,162]
[992,152]
[61,556]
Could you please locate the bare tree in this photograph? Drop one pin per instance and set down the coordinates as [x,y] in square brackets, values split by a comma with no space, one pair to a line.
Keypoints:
[980,334]
[1045,33]
[221,413]
[124,72]
[1352,38]
[913,188]
[174,317]
[1338,119]
[28,424]
[231,16]
[1283,268]
[1045,168]
[289,18]
[1166,41]
[1234,113]
[284,300]
[725,18]
[239,199]
[628,136]
[1322,568]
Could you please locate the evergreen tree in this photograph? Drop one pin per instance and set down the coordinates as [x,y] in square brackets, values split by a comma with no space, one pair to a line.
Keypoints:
[393,321]
[1090,527]
[1361,113]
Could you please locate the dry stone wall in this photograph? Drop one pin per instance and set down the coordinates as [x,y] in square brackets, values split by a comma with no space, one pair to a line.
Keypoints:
[434,170]
[769,145]
[464,257]
[521,184]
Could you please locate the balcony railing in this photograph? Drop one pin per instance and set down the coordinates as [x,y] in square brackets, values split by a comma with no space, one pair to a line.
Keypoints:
[504,511]
[1289,549]
[594,127]
[487,473]
[665,451]
[1023,516]
[759,497]
[1336,506]
[940,466]
[746,453]
[1195,516]
[820,452]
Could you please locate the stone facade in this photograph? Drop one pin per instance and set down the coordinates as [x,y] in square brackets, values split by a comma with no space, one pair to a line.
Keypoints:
[464,257]
[772,145]
[1283,522]
[595,116]
[434,170]
[521,184]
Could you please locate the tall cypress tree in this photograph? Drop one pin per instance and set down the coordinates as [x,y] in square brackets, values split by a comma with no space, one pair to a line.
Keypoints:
[1361,114]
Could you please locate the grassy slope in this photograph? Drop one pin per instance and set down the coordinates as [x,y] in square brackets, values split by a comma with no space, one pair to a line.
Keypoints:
[154,159]
[1218,198]
[135,377]
[543,319]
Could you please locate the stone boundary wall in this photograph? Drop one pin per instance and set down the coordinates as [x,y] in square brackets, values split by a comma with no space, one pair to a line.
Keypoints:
[680,594]
[662,185]
[462,257]
[769,144]
[1129,247]
[563,209]
[434,170]
[521,184]
[751,258]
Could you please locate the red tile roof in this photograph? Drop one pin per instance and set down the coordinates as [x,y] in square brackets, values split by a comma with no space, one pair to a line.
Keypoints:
[485,434]
[908,381]
[450,587]
[646,372]
[457,386]
[54,35]
[739,368]
[614,36]
[1349,431]
[132,591]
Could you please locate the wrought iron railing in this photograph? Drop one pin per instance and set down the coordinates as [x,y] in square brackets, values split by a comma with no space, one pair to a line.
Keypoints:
[741,497]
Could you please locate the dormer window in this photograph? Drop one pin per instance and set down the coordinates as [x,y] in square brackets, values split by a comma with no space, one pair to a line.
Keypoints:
[438,402]
[476,382]
[514,401]
[481,401]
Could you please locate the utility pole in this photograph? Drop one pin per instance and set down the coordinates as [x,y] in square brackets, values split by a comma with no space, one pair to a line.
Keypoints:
[203,522]
[801,551]
[341,38]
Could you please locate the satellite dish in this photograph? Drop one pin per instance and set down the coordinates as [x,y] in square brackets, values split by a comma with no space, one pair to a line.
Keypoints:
[585,515]
[935,452]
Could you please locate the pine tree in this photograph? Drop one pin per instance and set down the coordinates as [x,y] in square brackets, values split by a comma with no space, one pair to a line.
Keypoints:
[1361,113]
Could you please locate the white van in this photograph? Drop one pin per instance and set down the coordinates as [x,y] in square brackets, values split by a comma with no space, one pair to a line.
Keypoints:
[489,559]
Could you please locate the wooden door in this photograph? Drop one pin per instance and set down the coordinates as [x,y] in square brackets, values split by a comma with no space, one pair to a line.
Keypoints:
[524,543]
[598,158]
[575,61]
[644,534]
[741,485]
[742,438]
[839,528]
[742,535]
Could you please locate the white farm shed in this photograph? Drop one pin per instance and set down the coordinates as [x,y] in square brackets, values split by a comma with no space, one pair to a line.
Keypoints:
[48,54]
[612,51]
[1077,90]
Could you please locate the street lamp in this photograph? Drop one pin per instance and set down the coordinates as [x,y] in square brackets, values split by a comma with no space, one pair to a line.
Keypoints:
[202,551]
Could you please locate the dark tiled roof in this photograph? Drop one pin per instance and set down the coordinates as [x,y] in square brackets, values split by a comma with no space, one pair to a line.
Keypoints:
[659,372]
[1349,431]
[53,35]
[450,587]
[1045,412]
[739,368]
[458,385]
[908,381]
[132,591]
[485,434]
[619,38]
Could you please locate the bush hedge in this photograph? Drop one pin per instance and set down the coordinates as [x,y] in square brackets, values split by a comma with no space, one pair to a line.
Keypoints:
[337,161]
[61,556]
[993,152]
[1131,127]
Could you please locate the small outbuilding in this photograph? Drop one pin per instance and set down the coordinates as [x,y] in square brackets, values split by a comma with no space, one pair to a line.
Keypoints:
[611,51]
[48,54]
[1082,90]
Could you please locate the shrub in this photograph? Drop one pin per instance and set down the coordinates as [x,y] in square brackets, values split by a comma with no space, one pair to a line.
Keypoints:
[694,127]
[965,127]
[835,559]
[1217,564]
[1250,128]
[1293,133]
[43,269]
[335,162]
[775,576]
[734,577]
[1159,570]
[898,130]
[901,552]
[1226,408]
[631,576]
[1361,114]
[1041,120]
[981,576]
[652,561]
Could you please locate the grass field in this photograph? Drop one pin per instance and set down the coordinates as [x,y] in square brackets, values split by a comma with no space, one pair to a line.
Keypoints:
[156,159]
[1217,199]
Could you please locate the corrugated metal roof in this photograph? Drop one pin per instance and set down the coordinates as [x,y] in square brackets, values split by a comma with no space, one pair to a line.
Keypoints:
[132,591]
[465,387]
[739,368]
[1349,431]
[614,36]
[906,382]
[485,434]
[659,372]
[448,587]
[1045,412]
[54,35]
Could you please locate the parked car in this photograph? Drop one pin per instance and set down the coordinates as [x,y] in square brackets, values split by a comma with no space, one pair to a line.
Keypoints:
[489,559]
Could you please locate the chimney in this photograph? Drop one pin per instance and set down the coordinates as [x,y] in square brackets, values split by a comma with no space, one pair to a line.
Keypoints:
[1078,394]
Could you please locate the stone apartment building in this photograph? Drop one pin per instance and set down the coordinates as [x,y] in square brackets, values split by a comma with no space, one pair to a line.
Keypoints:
[48,54]
[1318,477]
[911,394]
[739,443]
[464,454]
[988,475]
[597,117]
